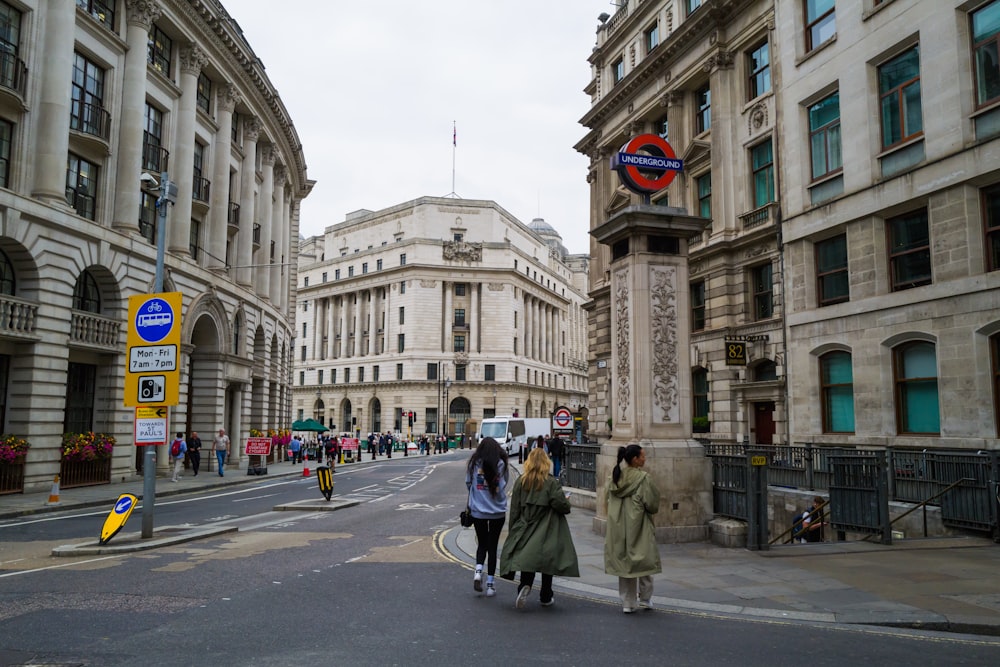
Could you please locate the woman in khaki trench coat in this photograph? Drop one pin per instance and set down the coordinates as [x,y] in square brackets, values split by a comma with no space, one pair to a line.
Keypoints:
[538,539]
[630,550]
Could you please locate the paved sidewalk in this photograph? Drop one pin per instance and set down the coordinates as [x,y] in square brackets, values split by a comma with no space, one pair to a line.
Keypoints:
[938,584]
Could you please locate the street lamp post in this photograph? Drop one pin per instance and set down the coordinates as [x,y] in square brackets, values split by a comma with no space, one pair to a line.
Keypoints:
[168,195]
[494,401]
[447,409]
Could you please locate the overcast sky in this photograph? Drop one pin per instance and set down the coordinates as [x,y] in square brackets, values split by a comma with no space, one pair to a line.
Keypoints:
[373,87]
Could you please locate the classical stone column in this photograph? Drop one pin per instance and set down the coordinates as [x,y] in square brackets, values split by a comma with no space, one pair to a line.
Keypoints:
[248,179]
[139,16]
[263,269]
[473,319]
[449,316]
[343,326]
[650,367]
[52,137]
[279,227]
[218,226]
[182,164]
[331,327]
[359,305]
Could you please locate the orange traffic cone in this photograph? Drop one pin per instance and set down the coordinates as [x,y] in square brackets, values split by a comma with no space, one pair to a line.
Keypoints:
[305,471]
[54,495]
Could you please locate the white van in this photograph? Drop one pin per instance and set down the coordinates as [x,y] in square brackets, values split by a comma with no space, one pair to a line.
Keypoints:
[513,432]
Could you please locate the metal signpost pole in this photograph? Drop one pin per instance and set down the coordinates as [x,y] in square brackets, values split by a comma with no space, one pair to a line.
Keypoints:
[168,193]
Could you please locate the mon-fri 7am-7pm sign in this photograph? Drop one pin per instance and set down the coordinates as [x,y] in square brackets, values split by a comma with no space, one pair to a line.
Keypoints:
[154,339]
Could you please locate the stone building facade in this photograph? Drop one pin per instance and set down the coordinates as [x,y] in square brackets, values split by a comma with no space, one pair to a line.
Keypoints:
[847,155]
[448,308]
[891,222]
[93,95]
[699,76]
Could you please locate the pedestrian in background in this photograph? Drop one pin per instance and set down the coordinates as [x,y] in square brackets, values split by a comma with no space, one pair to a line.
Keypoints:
[295,449]
[178,448]
[556,449]
[194,452]
[486,480]
[538,539]
[220,445]
[630,550]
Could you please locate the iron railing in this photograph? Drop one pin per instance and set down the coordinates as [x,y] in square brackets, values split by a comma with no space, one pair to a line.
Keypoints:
[580,462]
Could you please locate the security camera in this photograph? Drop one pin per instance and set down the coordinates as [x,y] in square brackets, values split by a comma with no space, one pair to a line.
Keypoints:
[149,178]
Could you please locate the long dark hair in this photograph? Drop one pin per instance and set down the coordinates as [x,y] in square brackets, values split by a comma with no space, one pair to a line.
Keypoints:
[624,454]
[489,453]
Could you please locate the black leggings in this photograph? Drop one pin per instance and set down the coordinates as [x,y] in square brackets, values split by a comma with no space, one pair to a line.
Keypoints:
[487,541]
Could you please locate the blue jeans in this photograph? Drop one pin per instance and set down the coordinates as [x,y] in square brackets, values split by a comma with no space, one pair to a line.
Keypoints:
[220,455]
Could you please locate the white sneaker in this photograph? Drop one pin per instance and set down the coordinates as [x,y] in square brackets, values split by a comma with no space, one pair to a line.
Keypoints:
[477,581]
[645,604]
[522,596]
[490,591]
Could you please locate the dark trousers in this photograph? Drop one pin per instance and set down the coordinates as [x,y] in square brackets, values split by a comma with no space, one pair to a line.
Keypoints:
[487,541]
[195,458]
[528,578]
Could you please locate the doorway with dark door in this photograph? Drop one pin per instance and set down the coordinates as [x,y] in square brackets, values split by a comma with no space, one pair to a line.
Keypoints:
[763,423]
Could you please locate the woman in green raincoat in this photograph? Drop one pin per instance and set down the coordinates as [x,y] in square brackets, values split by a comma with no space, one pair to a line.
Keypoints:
[630,550]
[538,539]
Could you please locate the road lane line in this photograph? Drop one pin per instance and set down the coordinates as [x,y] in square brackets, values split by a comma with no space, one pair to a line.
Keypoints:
[55,567]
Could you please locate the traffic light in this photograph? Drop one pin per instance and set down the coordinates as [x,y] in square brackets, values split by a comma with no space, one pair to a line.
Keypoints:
[409,416]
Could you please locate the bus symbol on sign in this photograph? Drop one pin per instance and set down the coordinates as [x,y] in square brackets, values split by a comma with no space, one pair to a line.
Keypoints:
[154,320]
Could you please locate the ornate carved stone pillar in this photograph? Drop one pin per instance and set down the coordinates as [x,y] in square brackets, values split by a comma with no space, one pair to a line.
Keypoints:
[650,369]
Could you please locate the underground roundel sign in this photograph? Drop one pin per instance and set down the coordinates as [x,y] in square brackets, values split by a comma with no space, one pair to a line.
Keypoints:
[646,164]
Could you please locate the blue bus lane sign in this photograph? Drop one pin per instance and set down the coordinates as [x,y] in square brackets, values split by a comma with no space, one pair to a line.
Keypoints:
[154,336]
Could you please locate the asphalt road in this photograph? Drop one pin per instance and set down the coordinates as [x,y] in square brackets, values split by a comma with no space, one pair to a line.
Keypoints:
[367,585]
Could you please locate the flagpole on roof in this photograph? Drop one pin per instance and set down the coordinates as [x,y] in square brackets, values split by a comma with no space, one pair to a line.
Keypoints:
[454,148]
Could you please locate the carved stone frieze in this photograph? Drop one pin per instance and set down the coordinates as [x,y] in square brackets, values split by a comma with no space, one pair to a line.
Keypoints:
[757,118]
[461,358]
[429,284]
[266,153]
[719,60]
[462,251]
[227,98]
[193,59]
[623,345]
[663,324]
[142,13]
[251,128]
[495,287]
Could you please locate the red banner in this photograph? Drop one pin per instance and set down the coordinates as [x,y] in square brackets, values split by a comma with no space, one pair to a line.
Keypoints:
[258,446]
[348,443]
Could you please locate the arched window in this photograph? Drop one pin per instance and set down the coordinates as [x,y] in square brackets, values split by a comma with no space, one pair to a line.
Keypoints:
[837,390]
[915,375]
[7,282]
[86,295]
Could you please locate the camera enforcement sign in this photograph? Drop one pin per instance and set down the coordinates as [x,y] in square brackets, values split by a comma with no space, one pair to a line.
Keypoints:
[646,164]
[154,337]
